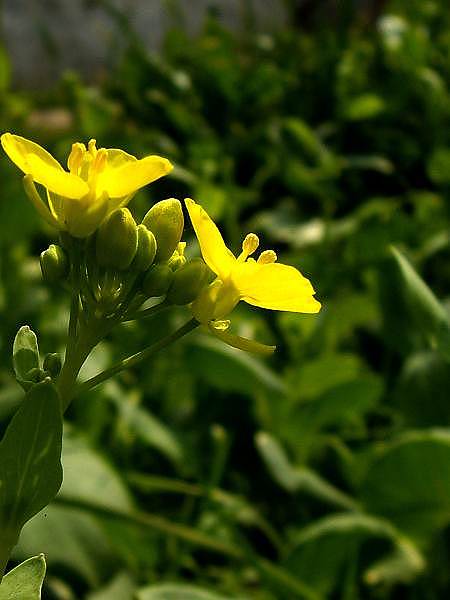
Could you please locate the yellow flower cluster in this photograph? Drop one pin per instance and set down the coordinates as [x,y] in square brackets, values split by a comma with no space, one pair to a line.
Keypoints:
[99,181]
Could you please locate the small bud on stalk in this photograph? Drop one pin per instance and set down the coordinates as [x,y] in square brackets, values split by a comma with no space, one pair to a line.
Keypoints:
[54,264]
[165,219]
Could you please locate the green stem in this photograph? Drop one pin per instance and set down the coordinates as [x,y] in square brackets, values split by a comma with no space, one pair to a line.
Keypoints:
[131,361]
[77,352]
[148,312]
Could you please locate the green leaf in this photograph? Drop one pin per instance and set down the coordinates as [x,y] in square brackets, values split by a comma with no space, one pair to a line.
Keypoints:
[424,308]
[30,457]
[174,591]
[70,536]
[72,539]
[25,581]
[365,106]
[89,477]
[210,359]
[141,423]
[25,354]
[120,588]
[327,547]
[438,166]
[295,479]
[425,375]
[408,482]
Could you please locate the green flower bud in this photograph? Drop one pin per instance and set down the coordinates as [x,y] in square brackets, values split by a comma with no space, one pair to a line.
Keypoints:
[54,264]
[166,221]
[188,281]
[157,281]
[25,353]
[52,364]
[117,240]
[146,249]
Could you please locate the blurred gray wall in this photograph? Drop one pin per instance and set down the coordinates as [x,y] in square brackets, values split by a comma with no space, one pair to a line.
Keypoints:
[46,37]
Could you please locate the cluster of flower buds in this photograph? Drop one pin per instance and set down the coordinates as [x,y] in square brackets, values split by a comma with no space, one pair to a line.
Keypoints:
[125,263]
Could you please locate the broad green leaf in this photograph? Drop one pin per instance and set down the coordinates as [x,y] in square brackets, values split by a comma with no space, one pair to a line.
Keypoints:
[298,479]
[177,591]
[25,581]
[30,457]
[409,483]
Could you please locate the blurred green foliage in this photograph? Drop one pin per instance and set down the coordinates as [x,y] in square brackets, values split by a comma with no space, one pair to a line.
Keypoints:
[208,474]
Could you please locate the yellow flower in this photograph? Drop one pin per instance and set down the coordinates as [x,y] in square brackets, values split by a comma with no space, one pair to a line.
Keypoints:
[98,181]
[263,282]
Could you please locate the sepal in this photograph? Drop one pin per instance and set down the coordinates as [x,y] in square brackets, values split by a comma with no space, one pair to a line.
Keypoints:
[241,343]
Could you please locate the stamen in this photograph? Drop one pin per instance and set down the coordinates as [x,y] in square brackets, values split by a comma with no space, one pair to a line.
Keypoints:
[249,246]
[181,248]
[267,257]
[100,161]
[75,157]
[92,147]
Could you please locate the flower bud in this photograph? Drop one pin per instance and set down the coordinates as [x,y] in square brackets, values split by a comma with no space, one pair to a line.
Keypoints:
[188,281]
[165,220]
[52,364]
[25,352]
[157,280]
[117,240]
[146,249]
[54,264]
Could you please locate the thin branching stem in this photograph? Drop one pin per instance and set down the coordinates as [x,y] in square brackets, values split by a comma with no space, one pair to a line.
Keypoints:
[139,357]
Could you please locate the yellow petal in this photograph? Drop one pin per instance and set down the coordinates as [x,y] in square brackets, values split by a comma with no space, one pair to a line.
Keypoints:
[18,149]
[243,343]
[33,160]
[131,175]
[214,251]
[57,181]
[117,158]
[275,286]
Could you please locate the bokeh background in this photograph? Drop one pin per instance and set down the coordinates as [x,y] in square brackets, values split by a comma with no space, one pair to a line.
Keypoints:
[323,472]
